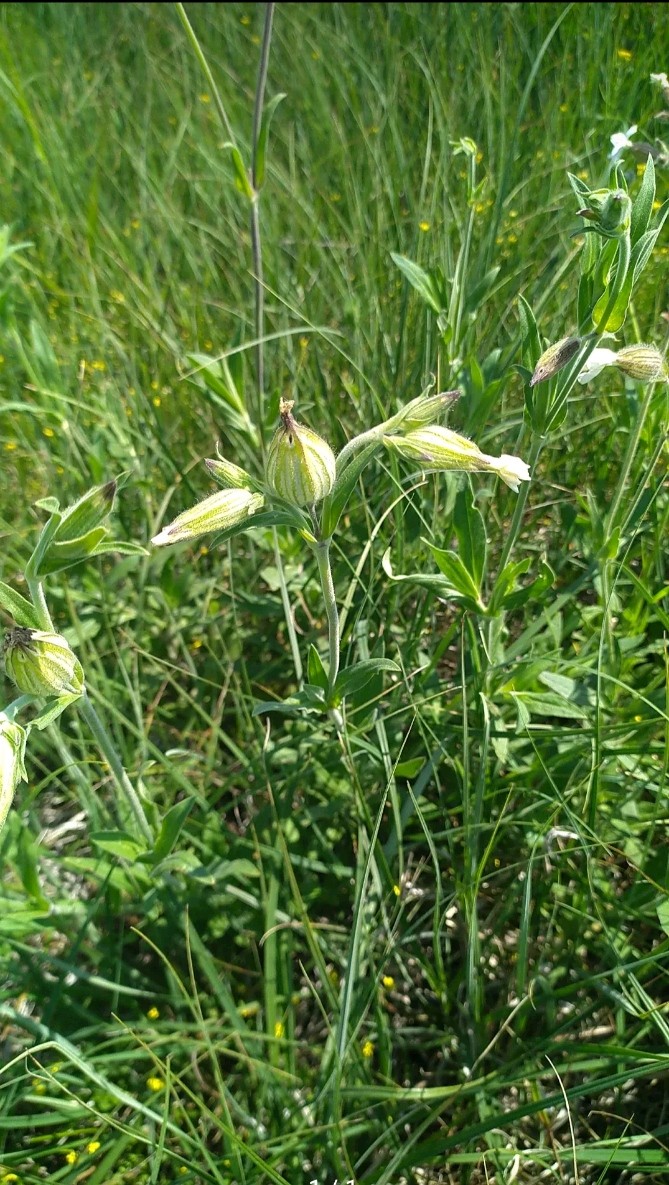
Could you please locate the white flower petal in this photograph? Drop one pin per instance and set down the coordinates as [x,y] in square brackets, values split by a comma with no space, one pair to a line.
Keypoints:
[596,363]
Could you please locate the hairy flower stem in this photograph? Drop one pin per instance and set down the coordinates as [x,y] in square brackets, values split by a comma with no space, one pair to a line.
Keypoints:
[39,601]
[108,751]
[322,550]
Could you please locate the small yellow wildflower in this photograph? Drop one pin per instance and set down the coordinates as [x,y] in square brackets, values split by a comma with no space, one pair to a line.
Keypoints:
[155,1084]
[625,55]
[117,296]
[93,1147]
[135,224]
[208,345]
[656,205]
[98,364]
[71,1157]
[423,225]
[48,432]
[156,401]
[279,1030]
[316,55]
[245,20]
[154,385]
[304,343]
[388,982]
[397,891]
[564,107]
[335,197]
[638,719]
[153,1013]
[196,643]
[368,1049]
[10,445]
[205,98]
[39,1087]
[9,1177]
[374,130]
[255,39]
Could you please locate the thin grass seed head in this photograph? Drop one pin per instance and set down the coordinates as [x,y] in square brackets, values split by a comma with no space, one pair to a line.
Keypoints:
[439,448]
[554,359]
[227,508]
[39,662]
[301,466]
[12,756]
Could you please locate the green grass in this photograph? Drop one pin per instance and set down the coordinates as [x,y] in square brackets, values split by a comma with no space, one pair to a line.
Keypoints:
[437,943]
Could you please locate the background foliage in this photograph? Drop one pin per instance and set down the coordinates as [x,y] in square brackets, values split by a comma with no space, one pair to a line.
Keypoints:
[437,950]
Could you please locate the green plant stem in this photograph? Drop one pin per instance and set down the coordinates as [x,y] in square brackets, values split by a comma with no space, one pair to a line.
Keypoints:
[108,750]
[536,446]
[287,609]
[327,584]
[39,601]
[256,242]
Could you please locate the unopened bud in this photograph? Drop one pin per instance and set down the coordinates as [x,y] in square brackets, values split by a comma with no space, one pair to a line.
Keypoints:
[555,358]
[230,476]
[12,768]
[440,448]
[87,513]
[644,363]
[41,663]
[419,412]
[610,210]
[300,464]
[219,512]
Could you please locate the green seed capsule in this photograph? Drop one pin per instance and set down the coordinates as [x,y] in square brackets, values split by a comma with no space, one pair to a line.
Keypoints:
[41,663]
[300,464]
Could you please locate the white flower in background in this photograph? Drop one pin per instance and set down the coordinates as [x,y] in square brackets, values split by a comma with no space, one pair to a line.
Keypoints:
[662,81]
[596,363]
[620,141]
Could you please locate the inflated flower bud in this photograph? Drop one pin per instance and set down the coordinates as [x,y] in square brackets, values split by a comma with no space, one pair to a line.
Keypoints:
[12,755]
[300,464]
[554,358]
[41,663]
[419,412]
[219,512]
[641,362]
[440,448]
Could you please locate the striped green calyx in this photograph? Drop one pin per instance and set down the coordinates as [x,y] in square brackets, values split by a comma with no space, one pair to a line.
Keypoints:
[300,464]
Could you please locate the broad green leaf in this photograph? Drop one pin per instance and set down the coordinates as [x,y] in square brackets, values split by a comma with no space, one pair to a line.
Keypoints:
[53,710]
[355,677]
[171,828]
[470,530]
[452,567]
[419,279]
[117,843]
[316,670]
[642,206]
[548,704]
[529,334]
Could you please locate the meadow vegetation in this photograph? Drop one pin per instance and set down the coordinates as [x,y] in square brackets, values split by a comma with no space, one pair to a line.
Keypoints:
[258,925]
